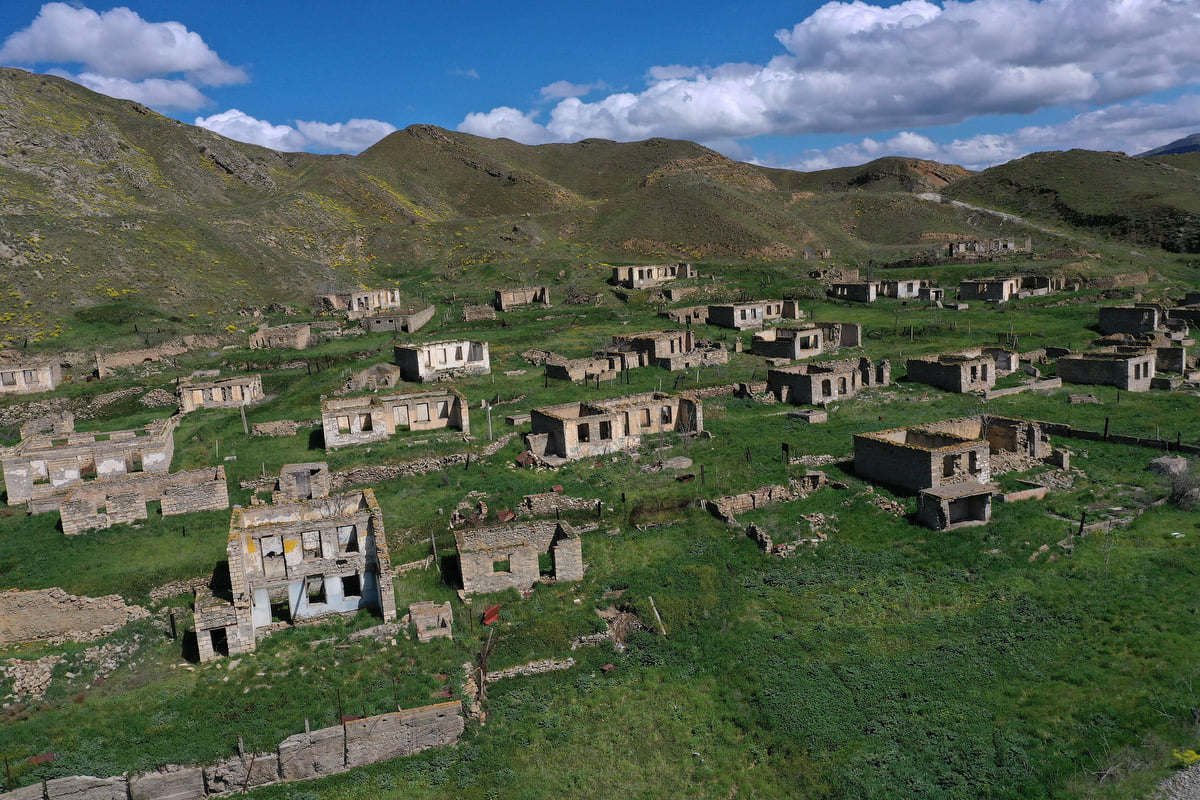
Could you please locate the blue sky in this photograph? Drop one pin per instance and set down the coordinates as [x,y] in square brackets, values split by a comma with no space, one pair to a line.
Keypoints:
[805,85]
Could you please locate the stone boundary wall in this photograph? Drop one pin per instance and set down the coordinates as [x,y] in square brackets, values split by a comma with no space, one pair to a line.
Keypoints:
[726,508]
[304,756]
[1048,383]
[532,668]
[547,503]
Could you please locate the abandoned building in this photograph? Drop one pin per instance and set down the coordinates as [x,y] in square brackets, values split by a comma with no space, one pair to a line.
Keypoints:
[687,315]
[1128,368]
[946,453]
[508,299]
[501,557]
[406,322]
[241,390]
[745,316]
[28,375]
[435,361]
[360,303]
[592,368]
[643,277]
[294,561]
[672,350]
[787,342]
[854,291]
[593,428]
[43,466]
[902,288]
[1135,318]
[840,334]
[954,372]
[306,481]
[101,504]
[931,294]
[1002,290]
[293,336]
[375,417]
[828,381]
[984,248]
[376,376]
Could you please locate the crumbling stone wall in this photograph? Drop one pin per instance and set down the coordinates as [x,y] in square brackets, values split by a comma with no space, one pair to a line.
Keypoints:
[294,336]
[954,373]
[106,503]
[508,299]
[475,313]
[27,376]
[581,430]
[304,756]
[548,503]
[500,557]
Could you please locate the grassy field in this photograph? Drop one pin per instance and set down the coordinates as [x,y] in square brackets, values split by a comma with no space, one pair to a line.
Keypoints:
[890,661]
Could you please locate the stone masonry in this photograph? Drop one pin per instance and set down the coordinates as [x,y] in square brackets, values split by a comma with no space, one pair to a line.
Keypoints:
[376,417]
[437,360]
[232,392]
[500,557]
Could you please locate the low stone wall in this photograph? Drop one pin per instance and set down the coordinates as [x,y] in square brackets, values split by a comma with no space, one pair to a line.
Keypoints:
[282,427]
[307,755]
[727,507]
[547,503]
[1048,383]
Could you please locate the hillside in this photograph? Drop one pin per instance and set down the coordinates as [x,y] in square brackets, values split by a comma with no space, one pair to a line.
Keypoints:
[106,200]
[1151,202]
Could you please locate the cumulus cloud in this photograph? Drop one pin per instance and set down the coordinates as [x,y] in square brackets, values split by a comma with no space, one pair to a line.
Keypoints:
[1131,128]
[854,67]
[160,93]
[347,137]
[117,44]
[560,89]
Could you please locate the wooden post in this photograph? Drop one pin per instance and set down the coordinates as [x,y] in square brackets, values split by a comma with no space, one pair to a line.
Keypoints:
[245,427]
[1106,429]
[662,628]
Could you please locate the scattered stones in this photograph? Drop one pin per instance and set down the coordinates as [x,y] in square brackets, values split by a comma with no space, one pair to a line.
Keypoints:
[55,616]
[158,398]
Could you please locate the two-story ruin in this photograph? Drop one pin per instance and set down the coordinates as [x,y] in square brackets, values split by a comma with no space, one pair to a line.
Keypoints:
[828,381]
[375,417]
[296,560]
[1131,369]
[435,361]
[593,428]
[647,276]
[28,375]
[501,557]
[293,336]
[954,372]
[240,390]
[788,342]
[508,299]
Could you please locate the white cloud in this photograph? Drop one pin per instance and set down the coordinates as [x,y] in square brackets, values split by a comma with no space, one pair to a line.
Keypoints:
[1131,128]
[560,89]
[153,92]
[117,44]
[465,73]
[853,67]
[347,137]
[245,128]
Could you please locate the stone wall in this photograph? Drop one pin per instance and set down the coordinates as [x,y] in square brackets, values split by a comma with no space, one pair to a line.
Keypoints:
[1131,373]
[313,754]
[102,504]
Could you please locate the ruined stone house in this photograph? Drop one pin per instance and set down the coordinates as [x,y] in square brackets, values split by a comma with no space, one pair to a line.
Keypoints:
[1131,369]
[745,316]
[360,303]
[854,291]
[688,315]
[293,336]
[501,557]
[434,361]
[788,342]
[101,504]
[28,375]
[645,276]
[294,561]
[828,381]
[1136,318]
[408,320]
[954,372]
[672,350]
[508,299]
[1002,290]
[949,464]
[45,465]
[983,248]
[592,428]
[840,334]
[241,390]
[902,288]
[432,620]
[374,377]
[376,417]
[305,481]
